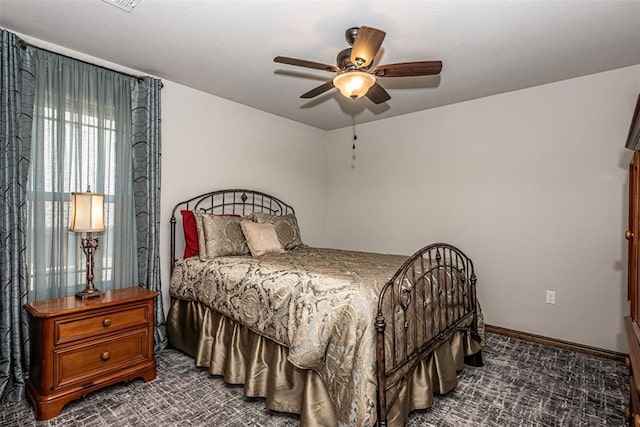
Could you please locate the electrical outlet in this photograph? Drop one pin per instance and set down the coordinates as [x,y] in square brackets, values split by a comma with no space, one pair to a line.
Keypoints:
[551,297]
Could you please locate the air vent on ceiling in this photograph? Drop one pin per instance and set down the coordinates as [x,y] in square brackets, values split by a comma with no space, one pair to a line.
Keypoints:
[126,5]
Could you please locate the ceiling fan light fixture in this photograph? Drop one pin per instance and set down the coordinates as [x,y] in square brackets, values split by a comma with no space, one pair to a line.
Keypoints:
[355,77]
[354,84]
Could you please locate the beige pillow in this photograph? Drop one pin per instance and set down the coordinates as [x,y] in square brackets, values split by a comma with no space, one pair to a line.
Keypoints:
[220,235]
[261,238]
[286,228]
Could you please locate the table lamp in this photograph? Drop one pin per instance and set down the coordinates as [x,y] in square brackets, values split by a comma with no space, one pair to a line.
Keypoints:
[87,216]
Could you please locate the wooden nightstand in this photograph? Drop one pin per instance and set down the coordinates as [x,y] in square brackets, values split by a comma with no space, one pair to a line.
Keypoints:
[79,346]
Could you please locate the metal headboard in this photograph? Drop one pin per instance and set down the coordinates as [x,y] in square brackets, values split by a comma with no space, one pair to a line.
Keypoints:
[228,202]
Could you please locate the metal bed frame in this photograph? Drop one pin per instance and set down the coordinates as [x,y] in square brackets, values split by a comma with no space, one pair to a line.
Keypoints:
[431,296]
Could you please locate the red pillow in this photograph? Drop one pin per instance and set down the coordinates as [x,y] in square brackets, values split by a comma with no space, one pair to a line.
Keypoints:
[191,247]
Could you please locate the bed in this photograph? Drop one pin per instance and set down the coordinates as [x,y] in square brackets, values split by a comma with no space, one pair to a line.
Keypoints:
[339,337]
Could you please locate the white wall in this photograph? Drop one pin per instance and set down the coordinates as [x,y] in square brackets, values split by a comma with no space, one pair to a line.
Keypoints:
[210,143]
[530,184]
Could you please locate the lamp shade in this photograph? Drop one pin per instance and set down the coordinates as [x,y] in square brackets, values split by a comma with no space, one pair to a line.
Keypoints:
[354,84]
[87,212]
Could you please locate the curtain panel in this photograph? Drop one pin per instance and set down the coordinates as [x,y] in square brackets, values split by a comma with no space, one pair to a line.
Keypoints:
[81,134]
[145,112]
[16,104]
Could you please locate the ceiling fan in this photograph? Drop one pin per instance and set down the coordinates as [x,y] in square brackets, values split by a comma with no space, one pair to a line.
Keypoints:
[355,77]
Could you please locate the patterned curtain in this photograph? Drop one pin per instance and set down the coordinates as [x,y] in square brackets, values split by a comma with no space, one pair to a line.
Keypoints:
[16,104]
[145,102]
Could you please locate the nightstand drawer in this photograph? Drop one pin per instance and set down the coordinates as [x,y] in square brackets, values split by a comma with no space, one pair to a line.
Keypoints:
[77,328]
[81,364]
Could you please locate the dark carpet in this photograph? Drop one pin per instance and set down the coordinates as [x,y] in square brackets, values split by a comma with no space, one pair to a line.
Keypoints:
[521,384]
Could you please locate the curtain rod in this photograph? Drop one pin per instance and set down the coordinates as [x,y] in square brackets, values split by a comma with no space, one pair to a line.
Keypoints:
[23,44]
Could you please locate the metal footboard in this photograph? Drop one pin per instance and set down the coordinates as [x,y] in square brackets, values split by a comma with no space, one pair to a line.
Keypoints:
[431,296]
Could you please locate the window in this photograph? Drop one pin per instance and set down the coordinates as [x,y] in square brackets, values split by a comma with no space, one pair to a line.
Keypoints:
[81,136]
[85,150]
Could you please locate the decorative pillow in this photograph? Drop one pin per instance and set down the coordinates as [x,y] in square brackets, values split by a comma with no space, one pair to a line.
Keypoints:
[286,228]
[191,247]
[220,235]
[261,238]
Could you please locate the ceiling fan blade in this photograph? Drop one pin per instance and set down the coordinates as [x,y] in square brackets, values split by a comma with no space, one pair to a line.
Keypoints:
[317,91]
[307,64]
[408,69]
[366,46]
[377,94]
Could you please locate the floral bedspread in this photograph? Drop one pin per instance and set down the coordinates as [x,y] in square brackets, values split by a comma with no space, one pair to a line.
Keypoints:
[320,303]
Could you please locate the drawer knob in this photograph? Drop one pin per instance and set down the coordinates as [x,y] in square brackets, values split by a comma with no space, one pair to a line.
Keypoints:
[628,234]
[106,355]
[627,413]
[106,322]
[627,362]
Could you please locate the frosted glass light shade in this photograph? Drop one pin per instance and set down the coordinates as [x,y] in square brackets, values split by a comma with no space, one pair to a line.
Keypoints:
[87,212]
[354,84]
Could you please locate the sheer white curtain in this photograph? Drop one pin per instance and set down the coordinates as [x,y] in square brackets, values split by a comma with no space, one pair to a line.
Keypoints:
[81,137]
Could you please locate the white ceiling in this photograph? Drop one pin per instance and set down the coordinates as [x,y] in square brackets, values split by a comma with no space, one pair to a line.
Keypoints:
[226,48]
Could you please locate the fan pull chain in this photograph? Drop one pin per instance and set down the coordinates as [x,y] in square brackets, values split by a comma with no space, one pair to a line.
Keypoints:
[355,137]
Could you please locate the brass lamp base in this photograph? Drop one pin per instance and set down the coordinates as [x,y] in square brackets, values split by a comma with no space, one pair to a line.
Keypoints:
[87,293]
[89,245]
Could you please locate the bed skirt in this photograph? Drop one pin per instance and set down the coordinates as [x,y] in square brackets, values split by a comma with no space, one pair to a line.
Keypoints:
[241,356]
